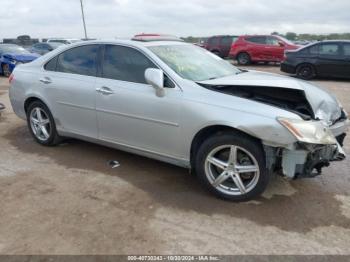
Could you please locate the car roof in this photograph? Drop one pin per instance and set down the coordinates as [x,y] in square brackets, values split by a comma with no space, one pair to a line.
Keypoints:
[333,41]
[135,43]
[221,36]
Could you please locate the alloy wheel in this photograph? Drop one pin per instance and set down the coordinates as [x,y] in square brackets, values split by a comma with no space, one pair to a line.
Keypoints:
[232,170]
[40,124]
[6,70]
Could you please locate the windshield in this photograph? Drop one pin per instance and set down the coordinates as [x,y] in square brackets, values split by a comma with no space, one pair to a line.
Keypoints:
[194,63]
[13,49]
[285,40]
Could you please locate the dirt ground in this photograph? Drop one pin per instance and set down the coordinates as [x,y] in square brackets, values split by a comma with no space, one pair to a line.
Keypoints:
[67,200]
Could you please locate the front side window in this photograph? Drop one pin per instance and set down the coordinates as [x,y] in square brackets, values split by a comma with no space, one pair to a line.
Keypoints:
[194,63]
[79,60]
[125,64]
[214,41]
[272,41]
[329,49]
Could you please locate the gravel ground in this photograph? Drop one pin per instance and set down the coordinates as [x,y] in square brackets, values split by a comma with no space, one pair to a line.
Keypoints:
[67,200]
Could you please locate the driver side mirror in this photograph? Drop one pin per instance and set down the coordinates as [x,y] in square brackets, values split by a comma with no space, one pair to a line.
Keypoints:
[155,77]
[281,44]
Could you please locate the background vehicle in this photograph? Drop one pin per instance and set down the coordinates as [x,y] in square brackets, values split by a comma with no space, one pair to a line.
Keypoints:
[220,45]
[260,48]
[43,48]
[327,58]
[65,41]
[12,55]
[178,103]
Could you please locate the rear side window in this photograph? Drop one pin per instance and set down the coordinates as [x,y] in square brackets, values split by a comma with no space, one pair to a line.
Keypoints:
[125,64]
[346,48]
[51,65]
[256,39]
[313,50]
[79,60]
[213,41]
[329,49]
[227,40]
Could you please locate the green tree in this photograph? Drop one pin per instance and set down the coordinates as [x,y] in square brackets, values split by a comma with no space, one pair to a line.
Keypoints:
[291,36]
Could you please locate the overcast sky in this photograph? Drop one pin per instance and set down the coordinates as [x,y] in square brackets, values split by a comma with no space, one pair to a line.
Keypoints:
[123,18]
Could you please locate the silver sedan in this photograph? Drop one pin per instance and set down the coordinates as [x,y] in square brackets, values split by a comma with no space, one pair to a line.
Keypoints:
[178,103]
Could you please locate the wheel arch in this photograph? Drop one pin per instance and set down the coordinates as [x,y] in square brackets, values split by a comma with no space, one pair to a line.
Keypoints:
[306,63]
[211,130]
[29,100]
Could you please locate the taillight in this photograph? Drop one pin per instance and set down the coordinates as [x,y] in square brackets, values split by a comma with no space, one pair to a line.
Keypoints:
[11,77]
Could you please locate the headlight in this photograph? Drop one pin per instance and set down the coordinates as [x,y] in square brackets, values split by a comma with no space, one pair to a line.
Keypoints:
[313,132]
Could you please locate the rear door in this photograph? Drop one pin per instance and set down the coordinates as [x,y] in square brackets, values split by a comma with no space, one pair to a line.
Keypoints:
[68,84]
[330,59]
[225,45]
[256,47]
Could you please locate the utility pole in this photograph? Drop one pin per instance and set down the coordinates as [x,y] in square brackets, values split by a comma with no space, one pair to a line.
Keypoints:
[82,14]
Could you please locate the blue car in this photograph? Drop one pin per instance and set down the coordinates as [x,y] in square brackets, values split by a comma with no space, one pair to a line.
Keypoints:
[12,55]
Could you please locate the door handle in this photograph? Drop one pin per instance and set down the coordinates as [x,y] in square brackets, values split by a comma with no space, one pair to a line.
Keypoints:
[45,80]
[104,90]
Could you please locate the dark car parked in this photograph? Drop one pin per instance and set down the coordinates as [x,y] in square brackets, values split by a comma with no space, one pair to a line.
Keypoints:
[325,59]
[220,45]
[43,48]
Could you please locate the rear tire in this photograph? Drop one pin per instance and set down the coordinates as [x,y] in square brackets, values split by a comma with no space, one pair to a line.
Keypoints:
[215,52]
[244,59]
[236,160]
[306,71]
[42,125]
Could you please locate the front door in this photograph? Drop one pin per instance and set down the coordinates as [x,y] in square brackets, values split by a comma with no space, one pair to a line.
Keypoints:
[274,48]
[128,111]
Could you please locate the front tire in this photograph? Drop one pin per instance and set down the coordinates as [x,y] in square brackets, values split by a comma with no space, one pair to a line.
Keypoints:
[42,125]
[232,166]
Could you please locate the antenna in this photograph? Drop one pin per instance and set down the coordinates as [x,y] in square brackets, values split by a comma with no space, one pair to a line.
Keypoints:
[82,14]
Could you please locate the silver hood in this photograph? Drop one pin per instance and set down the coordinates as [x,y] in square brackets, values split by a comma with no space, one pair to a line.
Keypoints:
[323,103]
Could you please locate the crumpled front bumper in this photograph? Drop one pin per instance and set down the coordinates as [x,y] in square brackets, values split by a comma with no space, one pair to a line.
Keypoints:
[307,160]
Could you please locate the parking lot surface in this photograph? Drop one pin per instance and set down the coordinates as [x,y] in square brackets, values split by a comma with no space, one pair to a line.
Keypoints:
[68,200]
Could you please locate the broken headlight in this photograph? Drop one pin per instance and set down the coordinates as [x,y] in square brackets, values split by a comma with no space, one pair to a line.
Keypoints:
[313,132]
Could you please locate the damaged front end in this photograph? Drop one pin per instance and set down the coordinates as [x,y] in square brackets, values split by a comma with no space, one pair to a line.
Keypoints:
[319,130]
[306,158]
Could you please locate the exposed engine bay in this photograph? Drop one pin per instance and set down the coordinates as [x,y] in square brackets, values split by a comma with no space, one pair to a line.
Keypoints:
[288,99]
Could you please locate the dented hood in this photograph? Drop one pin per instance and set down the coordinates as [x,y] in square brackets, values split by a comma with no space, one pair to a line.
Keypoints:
[323,103]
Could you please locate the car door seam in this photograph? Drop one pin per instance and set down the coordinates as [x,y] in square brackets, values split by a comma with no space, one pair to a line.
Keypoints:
[137,117]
